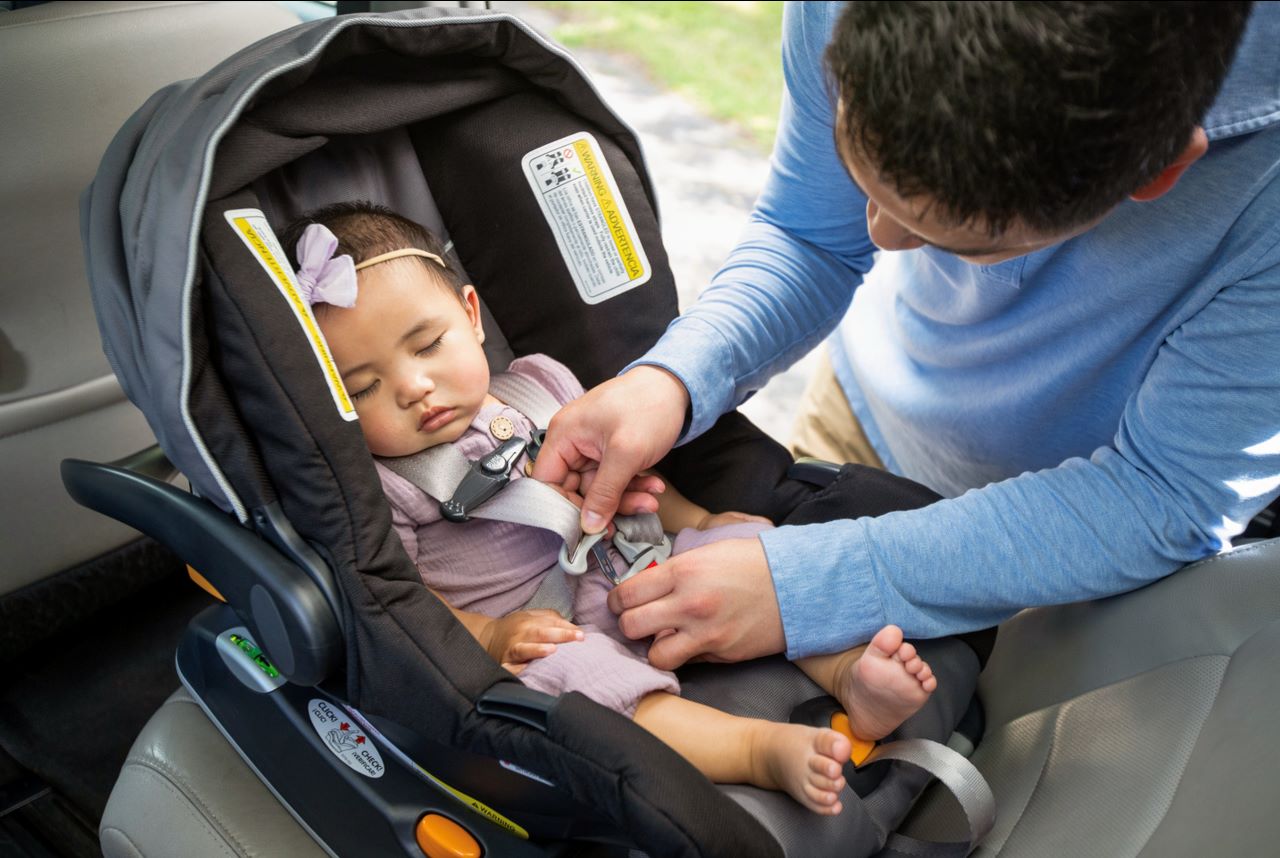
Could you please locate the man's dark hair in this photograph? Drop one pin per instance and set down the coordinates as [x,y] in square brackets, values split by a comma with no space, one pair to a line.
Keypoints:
[365,230]
[1048,113]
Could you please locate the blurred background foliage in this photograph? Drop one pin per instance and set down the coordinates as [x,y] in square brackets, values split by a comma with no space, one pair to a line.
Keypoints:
[723,56]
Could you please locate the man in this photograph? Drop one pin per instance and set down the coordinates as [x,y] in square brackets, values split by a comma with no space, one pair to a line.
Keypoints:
[1072,336]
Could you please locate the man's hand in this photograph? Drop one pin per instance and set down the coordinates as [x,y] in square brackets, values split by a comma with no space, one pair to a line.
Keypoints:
[518,638]
[614,430]
[716,602]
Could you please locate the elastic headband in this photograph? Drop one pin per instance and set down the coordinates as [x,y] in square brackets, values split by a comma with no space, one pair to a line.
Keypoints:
[396,254]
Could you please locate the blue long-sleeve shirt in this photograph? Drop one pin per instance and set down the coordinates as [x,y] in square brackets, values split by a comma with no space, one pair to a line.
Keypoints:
[1097,413]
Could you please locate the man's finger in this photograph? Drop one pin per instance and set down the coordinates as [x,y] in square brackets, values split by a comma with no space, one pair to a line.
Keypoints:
[602,497]
[555,462]
[637,502]
[671,651]
[642,588]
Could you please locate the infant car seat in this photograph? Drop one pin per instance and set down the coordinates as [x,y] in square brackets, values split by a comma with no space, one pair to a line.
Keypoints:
[350,690]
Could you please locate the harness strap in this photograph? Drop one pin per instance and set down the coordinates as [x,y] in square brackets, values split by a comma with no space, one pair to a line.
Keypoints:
[438,471]
[954,772]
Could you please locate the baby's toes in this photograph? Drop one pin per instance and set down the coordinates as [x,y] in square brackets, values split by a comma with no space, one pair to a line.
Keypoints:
[913,666]
[826,784]
[905,653]
[834,747]
[822,801]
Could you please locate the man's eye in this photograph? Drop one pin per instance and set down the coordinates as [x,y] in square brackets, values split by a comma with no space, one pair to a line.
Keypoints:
[368,391]
[431,348]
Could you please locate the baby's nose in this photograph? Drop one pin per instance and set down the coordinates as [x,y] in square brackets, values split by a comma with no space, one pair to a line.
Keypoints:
[415,386]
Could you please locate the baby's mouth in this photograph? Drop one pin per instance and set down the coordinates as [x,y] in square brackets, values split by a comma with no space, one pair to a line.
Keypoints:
[435,418]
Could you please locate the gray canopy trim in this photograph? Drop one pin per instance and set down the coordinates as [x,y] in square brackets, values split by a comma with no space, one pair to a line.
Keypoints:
[142,214]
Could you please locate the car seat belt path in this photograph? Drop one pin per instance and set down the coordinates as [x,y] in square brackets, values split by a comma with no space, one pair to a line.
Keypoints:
[954,772]
[587,216]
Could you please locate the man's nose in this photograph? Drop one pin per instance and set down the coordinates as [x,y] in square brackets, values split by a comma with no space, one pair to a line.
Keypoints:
[886,233]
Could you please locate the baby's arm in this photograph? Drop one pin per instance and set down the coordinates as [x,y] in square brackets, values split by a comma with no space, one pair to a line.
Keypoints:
[678,513]
[518,638]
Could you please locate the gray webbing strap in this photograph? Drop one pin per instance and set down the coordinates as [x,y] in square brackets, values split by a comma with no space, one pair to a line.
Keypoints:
[954,772]
[439,470]
[525,396]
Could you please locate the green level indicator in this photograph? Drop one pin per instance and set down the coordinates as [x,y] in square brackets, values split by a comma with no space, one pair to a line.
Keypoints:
[255,653]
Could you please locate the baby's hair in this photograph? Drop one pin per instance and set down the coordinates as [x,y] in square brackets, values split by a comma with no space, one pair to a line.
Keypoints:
[365,230]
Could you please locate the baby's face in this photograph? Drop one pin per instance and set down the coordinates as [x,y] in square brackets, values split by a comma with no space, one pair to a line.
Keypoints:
[410,356]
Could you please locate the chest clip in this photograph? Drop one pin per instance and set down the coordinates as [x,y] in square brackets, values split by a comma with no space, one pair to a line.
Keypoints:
[486,476]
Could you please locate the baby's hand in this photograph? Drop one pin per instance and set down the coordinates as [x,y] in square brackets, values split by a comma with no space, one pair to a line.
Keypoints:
[720,519]
[518,638]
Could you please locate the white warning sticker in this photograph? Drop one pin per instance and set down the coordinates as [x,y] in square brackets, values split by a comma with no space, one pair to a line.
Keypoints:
[252,227]
[590,222]
[345,739]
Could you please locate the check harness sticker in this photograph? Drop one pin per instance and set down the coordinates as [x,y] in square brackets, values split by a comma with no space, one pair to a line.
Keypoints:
[590,222]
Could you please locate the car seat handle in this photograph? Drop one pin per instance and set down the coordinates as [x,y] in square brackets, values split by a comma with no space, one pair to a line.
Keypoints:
[288,613]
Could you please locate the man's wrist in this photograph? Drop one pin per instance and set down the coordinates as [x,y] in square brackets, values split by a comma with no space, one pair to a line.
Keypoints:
[672,387]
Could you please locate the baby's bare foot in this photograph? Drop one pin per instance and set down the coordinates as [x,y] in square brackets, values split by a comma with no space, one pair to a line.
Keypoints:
[804,762]
[885,686]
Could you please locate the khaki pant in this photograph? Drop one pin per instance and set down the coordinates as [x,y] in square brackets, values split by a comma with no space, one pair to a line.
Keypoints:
[825,426]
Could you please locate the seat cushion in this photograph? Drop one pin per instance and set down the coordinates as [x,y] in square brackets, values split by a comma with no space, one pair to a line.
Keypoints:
[185,791]
[1137,725]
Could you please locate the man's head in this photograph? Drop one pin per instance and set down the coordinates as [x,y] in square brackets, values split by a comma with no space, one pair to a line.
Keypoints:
[993,129]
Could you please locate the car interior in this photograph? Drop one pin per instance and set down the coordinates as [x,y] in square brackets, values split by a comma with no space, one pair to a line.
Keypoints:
[1135,725]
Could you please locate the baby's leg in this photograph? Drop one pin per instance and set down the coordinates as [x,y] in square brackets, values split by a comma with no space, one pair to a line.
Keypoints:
[880,685]
[805,762]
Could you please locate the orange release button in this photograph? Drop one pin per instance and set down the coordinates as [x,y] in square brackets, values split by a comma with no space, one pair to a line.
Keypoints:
[861,747]
[441,837]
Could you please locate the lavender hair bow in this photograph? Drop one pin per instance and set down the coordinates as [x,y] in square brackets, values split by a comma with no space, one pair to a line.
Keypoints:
[322,277]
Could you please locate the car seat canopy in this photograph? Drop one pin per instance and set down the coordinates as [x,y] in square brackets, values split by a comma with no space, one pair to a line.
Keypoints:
[272,104]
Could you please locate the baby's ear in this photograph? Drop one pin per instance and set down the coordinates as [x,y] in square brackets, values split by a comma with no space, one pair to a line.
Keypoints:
[471,301]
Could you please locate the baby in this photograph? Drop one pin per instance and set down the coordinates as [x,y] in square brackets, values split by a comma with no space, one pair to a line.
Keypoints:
[407,338]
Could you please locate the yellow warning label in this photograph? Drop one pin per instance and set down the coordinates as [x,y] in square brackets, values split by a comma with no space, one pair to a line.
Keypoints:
[587,216]
[478,806]
[252,227]
[609,208]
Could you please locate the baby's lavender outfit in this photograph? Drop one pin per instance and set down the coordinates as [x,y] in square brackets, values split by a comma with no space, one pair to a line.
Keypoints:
[494,567]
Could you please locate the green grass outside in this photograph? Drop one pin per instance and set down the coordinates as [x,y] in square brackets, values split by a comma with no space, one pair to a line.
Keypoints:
[724,56]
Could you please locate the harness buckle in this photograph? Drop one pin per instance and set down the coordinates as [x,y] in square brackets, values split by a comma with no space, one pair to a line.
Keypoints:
[639,555]
[486,476]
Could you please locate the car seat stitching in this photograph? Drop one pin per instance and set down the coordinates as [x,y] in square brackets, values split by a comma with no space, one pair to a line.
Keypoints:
[1061,706]
[170,776]
[1026,802]
[123,836]
[1246,550]
[1088,691]
[1182,771]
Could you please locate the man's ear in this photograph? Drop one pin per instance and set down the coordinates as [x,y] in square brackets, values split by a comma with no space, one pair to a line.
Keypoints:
[471,301]
[1169,176]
